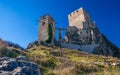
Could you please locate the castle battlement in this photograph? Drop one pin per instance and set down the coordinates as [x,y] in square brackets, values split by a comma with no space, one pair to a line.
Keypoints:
[78,17]
[76,11]
[46,17]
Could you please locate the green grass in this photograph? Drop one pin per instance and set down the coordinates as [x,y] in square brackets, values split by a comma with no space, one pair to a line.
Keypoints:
[71,62]
[10,52]
[62,61]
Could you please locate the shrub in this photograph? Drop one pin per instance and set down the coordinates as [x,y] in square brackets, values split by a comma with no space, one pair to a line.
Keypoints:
[50,34]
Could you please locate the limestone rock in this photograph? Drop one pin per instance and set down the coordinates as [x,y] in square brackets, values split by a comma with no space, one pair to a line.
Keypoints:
[18,66]
[32,45]
[106,48]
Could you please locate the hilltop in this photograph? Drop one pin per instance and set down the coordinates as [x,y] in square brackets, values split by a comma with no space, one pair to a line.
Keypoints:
[62,61]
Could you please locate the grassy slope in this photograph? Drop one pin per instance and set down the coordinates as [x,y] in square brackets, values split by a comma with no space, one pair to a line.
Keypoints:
[52,62]
[10,52]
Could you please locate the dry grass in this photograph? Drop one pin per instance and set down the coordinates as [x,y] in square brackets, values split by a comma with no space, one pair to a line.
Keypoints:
[72,62]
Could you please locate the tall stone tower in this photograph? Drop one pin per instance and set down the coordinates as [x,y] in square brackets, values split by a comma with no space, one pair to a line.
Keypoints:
[81,29]
[46,32]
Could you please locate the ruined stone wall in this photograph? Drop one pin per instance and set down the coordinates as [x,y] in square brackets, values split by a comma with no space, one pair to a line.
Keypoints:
[86,48]
[43,33]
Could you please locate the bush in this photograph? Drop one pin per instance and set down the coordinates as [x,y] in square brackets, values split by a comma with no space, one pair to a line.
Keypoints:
[5,52]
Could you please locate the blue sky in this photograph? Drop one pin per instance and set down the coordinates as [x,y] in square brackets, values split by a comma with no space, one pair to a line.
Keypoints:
[18,18]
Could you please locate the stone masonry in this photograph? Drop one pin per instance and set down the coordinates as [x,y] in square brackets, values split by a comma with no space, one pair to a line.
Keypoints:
[77,18]
[43,33]
[81,29]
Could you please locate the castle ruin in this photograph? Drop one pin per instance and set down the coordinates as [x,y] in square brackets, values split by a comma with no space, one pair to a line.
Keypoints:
[46,32]
[81,29]
[81,34]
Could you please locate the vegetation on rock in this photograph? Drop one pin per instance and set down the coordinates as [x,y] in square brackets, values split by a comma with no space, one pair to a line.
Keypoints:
[50,33]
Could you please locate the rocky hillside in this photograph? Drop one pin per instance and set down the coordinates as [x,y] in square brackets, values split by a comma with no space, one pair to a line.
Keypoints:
[59,61]
[12,63]
[97,42]
[62,61]
[9,49]
[106,48]
[10,44]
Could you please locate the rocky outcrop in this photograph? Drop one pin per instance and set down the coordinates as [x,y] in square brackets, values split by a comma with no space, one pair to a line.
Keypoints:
[32,45]
[18,66]
[106,48]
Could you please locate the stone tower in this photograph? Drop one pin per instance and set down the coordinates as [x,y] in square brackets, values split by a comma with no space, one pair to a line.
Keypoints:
[46,32]
[81,29]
